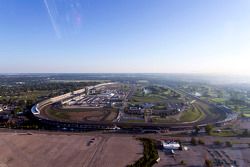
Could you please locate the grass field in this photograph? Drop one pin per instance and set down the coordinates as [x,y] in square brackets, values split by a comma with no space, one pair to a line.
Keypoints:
[227,133]
[187,116]
[246,115]
[218,100]
[164,120]
[134,121]
[146,99]
[191,115]
[159,107]
[80,114]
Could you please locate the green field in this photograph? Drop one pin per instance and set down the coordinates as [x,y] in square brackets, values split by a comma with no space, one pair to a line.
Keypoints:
[191,115]
[246,115]
[164,120]
[157,94]
[159,107]
[187,116]
[146,99]
[227,133]
[218,100]
[134,121]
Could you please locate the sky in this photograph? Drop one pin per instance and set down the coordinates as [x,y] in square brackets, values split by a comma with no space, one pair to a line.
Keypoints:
[125,36]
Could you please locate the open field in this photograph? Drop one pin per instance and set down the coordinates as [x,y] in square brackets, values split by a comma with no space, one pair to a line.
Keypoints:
[155,94]
[146,99]
[246,115]
[24,150]
[192,114]
[218,100]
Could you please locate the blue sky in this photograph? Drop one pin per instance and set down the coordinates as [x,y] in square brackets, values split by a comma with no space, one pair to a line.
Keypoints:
[165,36]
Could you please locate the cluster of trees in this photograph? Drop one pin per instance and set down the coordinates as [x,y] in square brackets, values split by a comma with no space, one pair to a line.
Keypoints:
[208,163]
[17,105]
[194,141]
[20,94]
[208,129]
[150,154]
[59,87]
[245,133]
[227,143]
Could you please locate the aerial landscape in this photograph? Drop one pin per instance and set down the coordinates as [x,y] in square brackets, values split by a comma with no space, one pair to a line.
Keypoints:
[115,83]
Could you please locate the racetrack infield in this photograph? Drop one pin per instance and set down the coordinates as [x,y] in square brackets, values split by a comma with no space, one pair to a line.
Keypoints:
[80,114]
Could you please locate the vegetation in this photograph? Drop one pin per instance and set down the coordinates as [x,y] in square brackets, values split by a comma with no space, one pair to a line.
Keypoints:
[218,100]
[191,115]
[246,115]
[146,99]
[217,143]
[209,129]
[152,94]
[245,133]
[150,154]
[200,141]
[197,129]
[208,163]
[224,133]
[228,144]
[183,162]
[193,141]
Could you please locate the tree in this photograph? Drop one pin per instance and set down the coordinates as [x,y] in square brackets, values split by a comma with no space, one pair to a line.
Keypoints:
[229,144]
[197,129]
[217,143]
[208,129]
[193,141]
[245,132]
[236,108]
[183,162]
[200,141]
[208,163]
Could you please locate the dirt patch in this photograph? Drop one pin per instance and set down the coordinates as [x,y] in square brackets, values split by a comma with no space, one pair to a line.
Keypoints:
[67,150]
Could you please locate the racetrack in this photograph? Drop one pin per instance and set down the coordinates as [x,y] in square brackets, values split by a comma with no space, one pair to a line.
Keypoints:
[102,120]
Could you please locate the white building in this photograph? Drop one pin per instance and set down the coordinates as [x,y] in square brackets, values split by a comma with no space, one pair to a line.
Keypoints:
[171,145]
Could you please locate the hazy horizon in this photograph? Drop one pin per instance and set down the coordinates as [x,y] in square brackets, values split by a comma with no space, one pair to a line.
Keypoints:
[118,36]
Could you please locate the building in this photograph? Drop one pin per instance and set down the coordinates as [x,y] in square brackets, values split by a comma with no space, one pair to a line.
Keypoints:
[135,110]
[171,145]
